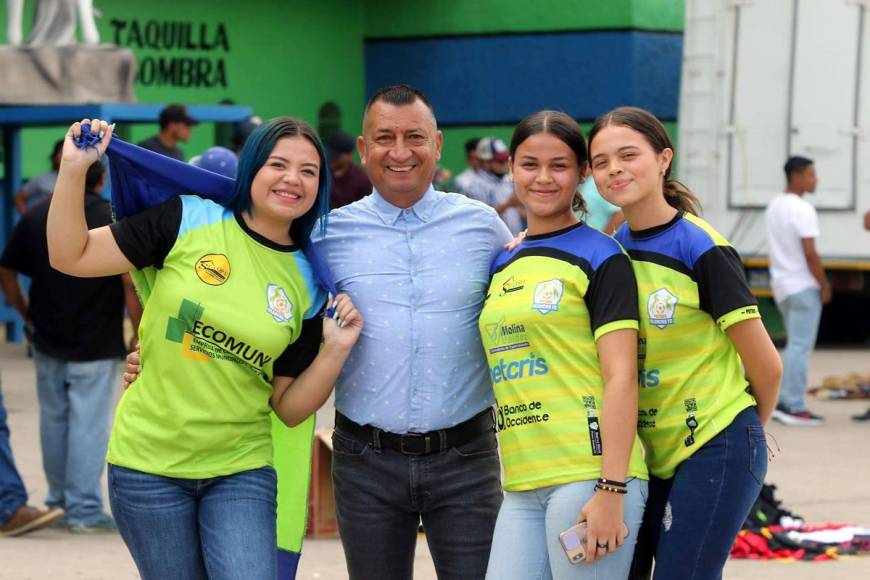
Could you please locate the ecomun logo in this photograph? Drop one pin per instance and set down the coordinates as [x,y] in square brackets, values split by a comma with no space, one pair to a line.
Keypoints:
[201,341]
[213,269]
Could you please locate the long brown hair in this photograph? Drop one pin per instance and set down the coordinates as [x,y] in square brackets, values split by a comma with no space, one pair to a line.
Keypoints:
[563,128]
[676,194]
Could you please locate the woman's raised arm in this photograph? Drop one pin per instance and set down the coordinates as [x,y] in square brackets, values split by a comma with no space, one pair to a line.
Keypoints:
[72,248]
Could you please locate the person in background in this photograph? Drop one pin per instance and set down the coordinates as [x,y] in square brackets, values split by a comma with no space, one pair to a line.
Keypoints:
[349,182]
[495,187]
[600,213]
[218,160]
[78,338]
[465,181]
[800,286]
[175,125]
[17,517]
[865,416]
[39,187]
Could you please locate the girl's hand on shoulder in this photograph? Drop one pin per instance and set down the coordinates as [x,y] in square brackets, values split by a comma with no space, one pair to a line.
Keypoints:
[83,157]
[603,514]
[343,329]
[518,239]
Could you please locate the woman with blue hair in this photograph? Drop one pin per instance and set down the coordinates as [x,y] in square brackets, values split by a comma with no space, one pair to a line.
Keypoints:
[229,333]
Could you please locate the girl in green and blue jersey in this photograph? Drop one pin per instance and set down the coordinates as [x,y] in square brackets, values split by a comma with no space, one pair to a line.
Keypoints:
[708,372]
[559,328]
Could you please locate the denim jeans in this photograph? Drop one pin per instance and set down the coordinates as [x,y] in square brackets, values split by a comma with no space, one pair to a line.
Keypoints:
[75,402]
[381,497]
[12,492]
[526,541]
[691,520]
[192,529]
[800,313]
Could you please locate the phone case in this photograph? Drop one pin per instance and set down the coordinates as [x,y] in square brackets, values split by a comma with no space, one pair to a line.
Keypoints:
[573,541]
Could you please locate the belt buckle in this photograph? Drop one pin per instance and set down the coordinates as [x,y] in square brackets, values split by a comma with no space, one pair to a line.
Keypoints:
[415,436]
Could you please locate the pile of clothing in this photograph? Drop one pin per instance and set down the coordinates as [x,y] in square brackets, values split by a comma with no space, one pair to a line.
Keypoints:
[851,386]
[772,532]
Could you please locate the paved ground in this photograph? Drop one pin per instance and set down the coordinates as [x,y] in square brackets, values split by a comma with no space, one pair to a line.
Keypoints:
[821,473]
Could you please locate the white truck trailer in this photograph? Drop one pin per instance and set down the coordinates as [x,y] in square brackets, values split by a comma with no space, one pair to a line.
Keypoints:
[766,79]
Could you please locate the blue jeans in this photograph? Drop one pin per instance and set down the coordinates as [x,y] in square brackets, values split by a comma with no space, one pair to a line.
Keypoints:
[75,402]
[12,492]
[526,541]
[381,497]
[800,314]
[691,520]
[191,529]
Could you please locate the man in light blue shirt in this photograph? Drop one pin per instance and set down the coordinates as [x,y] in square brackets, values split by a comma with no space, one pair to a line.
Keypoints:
[415,436]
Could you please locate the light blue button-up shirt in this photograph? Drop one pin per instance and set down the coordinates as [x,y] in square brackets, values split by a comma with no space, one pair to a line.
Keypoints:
[419,276]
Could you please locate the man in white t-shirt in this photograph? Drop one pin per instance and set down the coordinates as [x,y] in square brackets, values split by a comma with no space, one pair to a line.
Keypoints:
[799,284]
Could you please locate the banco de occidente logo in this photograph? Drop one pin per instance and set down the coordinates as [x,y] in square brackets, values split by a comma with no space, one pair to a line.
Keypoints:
[213,269]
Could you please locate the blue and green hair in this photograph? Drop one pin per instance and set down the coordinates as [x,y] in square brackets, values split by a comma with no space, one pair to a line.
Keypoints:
[254,155]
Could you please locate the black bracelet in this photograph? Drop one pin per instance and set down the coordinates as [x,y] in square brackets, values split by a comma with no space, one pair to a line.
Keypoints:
[604,481]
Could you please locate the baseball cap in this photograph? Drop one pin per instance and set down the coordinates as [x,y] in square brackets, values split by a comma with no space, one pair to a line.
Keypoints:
[339,144]
[218,160]
[492,149]
[175,112]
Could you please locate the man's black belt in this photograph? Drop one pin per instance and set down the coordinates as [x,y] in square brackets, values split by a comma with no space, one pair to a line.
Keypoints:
[419,443]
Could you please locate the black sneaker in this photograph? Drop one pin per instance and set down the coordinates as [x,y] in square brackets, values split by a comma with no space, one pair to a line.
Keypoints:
[865,416]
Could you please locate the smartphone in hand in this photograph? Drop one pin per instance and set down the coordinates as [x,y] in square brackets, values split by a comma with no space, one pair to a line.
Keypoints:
[573,541]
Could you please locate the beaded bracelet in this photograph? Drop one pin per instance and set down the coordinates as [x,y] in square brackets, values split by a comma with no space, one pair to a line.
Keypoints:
[619,490]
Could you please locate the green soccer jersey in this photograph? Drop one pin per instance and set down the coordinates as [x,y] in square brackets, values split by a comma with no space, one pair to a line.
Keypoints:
[549,300]
[225,304]
[691,288]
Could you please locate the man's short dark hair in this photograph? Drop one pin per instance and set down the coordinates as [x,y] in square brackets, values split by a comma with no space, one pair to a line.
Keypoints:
[471,145]
[94,175]
[398,95]
[796,164]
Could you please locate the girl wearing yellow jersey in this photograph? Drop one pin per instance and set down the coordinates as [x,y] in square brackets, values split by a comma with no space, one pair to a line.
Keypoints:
[559,328]
[708,371]
[230,332]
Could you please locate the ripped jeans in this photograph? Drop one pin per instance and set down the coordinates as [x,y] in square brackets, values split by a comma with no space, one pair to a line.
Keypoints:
[691,520]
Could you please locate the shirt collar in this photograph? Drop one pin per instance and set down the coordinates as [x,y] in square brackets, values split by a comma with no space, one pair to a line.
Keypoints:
[389,213]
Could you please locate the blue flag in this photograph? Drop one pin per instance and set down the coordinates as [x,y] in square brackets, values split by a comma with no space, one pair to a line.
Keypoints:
[141,179]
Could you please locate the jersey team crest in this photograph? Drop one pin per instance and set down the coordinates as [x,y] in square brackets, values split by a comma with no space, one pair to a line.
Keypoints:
[661,306]
[547,295]
[278,304]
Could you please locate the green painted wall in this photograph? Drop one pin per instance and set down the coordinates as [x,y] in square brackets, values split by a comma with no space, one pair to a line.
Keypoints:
[397,18]
[289,57]
[280,57]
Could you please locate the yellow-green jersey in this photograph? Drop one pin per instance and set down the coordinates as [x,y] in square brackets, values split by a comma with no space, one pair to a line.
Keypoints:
[229,310]
[691,288]
[550,299]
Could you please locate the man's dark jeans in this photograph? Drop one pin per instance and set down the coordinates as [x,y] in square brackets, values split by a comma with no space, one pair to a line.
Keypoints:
[381,496]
